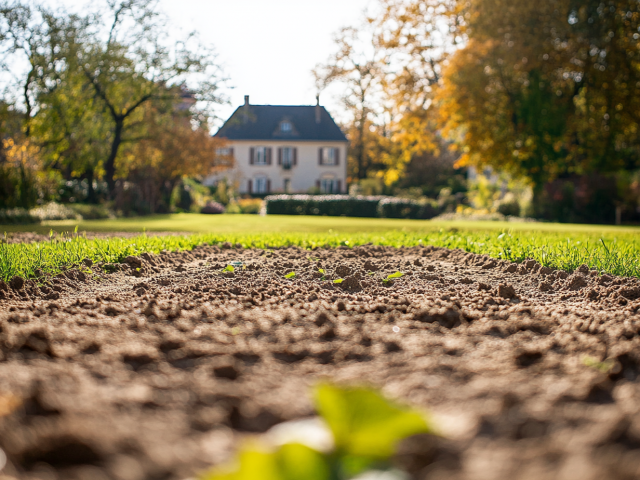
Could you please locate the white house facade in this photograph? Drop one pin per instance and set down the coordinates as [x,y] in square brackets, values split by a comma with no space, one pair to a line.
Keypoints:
[284,149]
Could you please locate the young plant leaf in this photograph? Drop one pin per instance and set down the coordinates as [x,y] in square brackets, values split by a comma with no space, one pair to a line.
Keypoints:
[338,280]
[364,423]
[395,275]
[290,275]
[292,461]
[321,270]
[229,268]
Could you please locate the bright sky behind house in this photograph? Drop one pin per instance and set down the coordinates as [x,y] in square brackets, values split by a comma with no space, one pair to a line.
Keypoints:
[267,47]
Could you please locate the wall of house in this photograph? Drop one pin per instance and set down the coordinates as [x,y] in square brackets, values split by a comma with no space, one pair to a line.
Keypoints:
[303,176]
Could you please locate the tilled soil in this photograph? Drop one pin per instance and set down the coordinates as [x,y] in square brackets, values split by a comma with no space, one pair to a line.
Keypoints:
[157,371]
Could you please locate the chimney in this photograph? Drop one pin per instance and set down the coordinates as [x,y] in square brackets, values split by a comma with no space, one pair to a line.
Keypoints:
[318,109]
[245,110]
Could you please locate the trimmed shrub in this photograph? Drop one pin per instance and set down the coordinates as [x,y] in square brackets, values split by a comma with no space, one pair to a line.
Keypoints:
[351,206]
[398,208]
[331,205]
[392,207]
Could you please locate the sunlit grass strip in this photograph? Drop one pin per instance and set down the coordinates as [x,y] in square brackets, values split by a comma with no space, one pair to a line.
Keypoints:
[618,255]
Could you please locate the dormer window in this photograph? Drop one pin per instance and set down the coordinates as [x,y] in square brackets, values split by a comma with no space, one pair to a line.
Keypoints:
[285,127]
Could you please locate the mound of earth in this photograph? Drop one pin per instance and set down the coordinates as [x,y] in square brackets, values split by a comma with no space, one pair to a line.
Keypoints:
[158,370]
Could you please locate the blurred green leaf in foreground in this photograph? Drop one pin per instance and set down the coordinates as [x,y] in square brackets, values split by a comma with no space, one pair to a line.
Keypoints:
[365,426]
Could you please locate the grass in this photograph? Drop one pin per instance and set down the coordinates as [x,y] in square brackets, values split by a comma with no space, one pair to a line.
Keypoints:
[252,224]
[614,250]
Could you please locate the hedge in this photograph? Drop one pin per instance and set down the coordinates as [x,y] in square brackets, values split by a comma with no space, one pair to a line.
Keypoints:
[331,205]
[392,207]
[349,206]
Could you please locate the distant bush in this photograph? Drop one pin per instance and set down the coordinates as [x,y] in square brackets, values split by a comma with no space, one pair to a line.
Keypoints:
[49,212]
[351,206]
[405,208]
[250,205]
[509,208]
[331,205]
[213,208]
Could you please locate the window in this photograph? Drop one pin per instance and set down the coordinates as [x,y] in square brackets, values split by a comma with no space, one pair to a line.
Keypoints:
[287,157]
[329,156]
[260,185]
[287,185]
[224,156]
[260,156]
[285,127]
[329,185]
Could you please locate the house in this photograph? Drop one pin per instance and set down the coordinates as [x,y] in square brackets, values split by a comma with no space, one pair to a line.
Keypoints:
[284,149]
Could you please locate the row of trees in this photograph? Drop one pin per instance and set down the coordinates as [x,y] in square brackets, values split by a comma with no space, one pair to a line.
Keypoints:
[543,91]
[108,95]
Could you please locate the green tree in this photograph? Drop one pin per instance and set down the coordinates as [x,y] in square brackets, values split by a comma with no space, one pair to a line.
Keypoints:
[137,65]
[546,89]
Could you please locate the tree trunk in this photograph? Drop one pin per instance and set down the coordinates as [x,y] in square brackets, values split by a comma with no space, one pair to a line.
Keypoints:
[91,192]
[110,165]
[361,170]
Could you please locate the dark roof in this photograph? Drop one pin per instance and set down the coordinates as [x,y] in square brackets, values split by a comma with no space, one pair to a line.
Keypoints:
[262,122]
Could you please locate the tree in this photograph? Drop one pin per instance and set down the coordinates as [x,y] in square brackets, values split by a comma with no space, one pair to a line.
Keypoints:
[172,149]
[89,81]
[546,89]
[358,67]
[132,65]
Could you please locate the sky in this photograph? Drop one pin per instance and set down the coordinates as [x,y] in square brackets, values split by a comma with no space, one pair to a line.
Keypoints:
[267,47]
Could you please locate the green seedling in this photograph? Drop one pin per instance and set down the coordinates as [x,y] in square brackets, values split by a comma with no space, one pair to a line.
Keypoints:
[338,280]
[393,276]
[605,366]
[229,268]
[290,275]
[322,271]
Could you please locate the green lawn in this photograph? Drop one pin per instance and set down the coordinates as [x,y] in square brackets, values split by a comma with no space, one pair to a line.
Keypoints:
[609,249]
[254,224]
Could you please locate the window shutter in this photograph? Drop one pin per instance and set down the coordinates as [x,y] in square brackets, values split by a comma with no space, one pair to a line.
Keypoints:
[252,156]
[318,184]
[268,186]
[268,152]
[279,155]
[295,156]
[339,186]
[336,152]
[320,156]
[249,185]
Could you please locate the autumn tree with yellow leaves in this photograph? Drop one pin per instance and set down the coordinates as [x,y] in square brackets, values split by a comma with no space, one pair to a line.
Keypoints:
[539,90]
[546,89]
